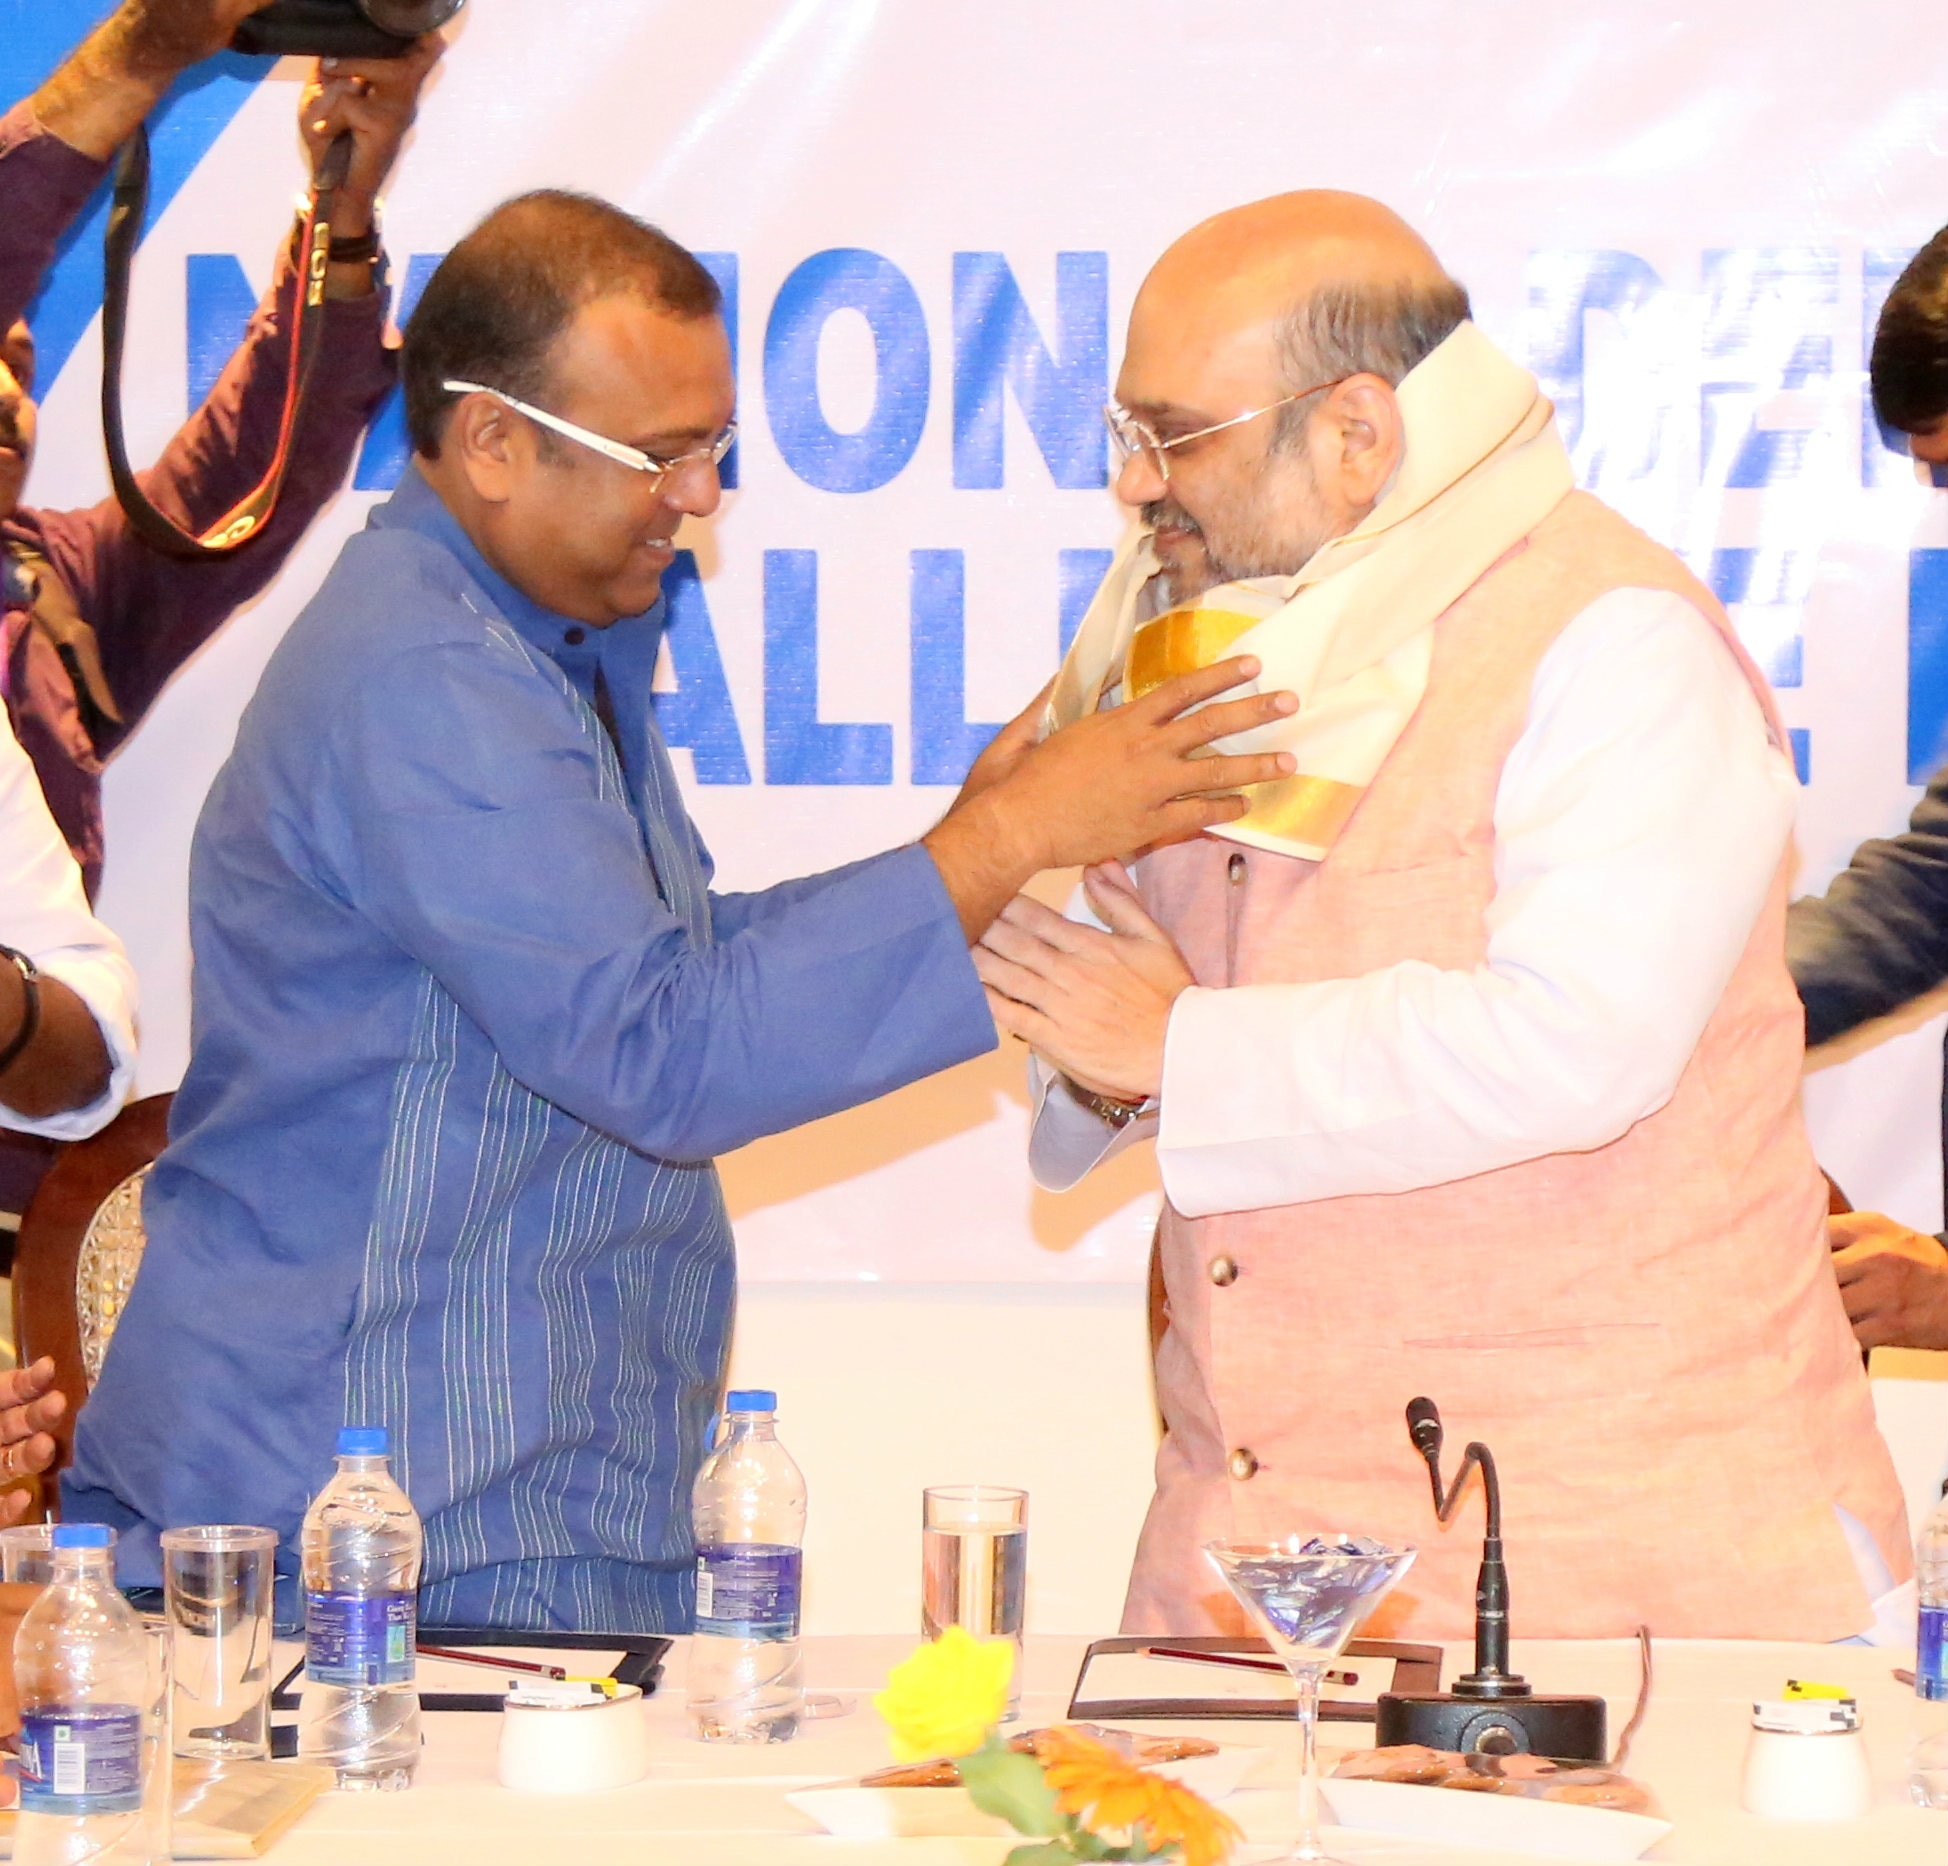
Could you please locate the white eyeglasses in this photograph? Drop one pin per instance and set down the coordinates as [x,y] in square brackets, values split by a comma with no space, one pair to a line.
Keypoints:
[1133,436]
[711,453]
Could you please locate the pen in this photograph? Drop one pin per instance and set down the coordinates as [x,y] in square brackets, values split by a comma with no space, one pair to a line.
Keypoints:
[499,1665]
[1239,1660]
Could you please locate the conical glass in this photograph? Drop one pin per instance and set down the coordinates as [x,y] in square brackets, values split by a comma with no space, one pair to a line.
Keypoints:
[1308,1597]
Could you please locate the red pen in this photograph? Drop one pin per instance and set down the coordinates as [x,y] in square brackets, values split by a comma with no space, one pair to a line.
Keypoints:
[456,1657]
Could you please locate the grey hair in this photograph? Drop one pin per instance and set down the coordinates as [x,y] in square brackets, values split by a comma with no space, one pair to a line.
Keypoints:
[1362,330]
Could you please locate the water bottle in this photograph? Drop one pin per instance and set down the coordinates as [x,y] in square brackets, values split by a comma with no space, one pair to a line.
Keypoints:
[362,1546]
[745,1685]
[1927,1763]
[81,1668]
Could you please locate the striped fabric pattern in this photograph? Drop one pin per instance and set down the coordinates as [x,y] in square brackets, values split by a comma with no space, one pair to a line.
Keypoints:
[543,1316]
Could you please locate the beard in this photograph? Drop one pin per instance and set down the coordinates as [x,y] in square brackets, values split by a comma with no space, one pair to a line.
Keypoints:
[1249,537]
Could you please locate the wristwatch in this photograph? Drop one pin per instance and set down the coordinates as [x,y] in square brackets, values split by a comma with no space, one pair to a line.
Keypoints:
[1118,1113]
[30,1006]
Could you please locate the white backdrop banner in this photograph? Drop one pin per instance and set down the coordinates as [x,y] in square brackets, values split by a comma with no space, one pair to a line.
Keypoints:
[929,224]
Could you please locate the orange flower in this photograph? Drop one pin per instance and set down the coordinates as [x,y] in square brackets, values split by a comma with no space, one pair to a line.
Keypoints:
[1096,1783]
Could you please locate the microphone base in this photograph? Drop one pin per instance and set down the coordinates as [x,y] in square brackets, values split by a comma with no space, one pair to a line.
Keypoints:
[1571,1729]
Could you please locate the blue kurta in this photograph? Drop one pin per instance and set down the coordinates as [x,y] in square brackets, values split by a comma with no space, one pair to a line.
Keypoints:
[468,1028]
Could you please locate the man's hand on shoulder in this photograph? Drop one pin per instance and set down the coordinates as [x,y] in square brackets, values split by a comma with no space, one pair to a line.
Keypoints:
[1894,1281]
[1108,786]
[1096,1005]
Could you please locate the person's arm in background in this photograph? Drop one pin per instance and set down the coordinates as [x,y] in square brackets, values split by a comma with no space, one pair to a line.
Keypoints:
[55,145]
[1877,939]
[75,1073]
[151,612]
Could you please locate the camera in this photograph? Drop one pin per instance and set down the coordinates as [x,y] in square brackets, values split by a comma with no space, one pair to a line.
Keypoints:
[341,28]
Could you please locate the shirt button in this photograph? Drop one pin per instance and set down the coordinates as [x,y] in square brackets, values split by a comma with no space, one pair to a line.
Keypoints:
[1244,1464]
[1223,1272]
[574,638]
[1235,868]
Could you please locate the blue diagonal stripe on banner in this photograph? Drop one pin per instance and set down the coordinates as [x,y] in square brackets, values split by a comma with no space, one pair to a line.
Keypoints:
[37,35]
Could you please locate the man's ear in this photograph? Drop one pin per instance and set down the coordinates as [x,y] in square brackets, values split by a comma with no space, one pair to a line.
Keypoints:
[489,444]
[1367,437]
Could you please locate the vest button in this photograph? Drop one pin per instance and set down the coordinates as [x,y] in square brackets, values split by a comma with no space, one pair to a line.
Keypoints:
[1223,1272]
[1243,1464]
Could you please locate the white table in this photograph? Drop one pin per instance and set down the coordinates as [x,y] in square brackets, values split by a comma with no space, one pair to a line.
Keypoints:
[723,1806]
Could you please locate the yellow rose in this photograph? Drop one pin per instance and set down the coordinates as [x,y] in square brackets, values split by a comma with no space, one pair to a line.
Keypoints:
[945,1698]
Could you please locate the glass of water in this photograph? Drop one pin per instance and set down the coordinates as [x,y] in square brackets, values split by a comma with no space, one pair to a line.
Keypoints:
[974,1565]
[217,1589]
[27,1553]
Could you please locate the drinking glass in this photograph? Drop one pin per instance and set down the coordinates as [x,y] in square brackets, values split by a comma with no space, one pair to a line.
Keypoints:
[1308,1598]
[974,1565]
[217,1600]
[27,1553]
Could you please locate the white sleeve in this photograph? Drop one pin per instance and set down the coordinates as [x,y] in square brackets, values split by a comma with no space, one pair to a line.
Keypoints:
[1065,1141]
[44,913]
[1639,822]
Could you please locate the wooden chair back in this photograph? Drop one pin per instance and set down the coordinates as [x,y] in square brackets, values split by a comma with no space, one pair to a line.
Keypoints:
[61,1242]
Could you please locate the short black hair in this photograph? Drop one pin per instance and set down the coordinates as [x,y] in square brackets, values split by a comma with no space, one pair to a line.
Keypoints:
[1909,368]
[497,302]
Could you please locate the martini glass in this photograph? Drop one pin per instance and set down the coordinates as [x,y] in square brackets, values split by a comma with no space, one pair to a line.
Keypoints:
[1308,1598]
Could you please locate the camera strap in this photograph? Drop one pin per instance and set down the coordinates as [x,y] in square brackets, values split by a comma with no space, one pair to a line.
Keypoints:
[249,516]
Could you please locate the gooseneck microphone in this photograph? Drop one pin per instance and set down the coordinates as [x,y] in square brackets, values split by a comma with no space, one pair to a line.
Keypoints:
[1491,1677]
[1491,1710]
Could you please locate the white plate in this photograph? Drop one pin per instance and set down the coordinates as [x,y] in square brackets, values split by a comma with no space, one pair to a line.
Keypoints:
[1498,1823]
[855,1813]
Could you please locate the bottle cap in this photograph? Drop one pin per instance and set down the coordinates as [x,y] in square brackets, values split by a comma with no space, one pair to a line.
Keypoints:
[1806,1716]
[83,1536]
[751,1399]
[362,1441]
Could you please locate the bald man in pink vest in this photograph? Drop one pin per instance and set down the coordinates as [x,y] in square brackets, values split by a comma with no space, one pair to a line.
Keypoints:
[1470,1049]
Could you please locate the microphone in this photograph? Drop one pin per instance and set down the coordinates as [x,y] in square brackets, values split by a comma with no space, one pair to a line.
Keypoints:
[1424,1428]
[1570,1728]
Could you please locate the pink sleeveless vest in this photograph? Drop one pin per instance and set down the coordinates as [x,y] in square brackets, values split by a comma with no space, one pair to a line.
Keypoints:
[1648,1335]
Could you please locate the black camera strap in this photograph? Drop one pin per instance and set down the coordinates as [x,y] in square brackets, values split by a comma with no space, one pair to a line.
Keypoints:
[307,313]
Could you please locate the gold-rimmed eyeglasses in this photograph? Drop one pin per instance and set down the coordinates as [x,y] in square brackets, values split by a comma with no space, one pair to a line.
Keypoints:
[1135,436]
[710,454]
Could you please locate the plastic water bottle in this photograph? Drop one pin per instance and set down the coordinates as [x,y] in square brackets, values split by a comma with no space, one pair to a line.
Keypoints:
[745,1683]
[362,1548]
[81,1668]
[1927,1764]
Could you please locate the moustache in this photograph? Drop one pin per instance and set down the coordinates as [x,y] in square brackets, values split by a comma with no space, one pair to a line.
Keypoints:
[1162,514]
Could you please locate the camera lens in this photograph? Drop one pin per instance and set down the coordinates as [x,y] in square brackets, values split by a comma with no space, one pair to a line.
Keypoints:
[409,18]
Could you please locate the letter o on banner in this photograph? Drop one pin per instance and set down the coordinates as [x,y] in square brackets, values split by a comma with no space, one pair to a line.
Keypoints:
[846,278]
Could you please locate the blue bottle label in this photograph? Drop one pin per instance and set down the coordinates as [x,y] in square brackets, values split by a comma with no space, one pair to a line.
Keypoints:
[86,1759]
[748,1590]
[1931,1661]
[359,1639]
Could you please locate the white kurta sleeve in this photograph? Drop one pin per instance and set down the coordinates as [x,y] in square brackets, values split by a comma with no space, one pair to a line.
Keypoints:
[44,913]
[1639,822]
[1065,1141]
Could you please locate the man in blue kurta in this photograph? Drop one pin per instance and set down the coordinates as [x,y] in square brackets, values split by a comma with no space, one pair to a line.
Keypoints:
[469,1022]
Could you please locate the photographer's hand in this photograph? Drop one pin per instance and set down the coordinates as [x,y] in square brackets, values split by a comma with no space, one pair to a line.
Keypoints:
[117,75]
[375,99]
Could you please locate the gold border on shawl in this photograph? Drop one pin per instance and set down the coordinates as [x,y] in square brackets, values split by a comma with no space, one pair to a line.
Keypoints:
[1180,642]
[1302,809]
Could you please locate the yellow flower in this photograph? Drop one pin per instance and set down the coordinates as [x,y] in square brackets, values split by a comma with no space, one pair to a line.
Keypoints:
[945,1698]
[1096,1783]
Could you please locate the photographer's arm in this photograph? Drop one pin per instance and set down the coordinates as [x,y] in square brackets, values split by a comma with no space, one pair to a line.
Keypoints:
[150,613]
[117,75]
[55,145]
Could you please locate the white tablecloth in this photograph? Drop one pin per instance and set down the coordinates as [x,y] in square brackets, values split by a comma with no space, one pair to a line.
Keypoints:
[711,1805]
